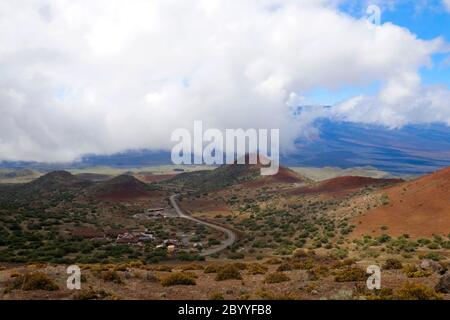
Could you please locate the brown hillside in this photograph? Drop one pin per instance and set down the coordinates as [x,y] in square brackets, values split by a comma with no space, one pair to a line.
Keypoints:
[284,175]
[149,178]
[343,185]
[123,187]
[419,208]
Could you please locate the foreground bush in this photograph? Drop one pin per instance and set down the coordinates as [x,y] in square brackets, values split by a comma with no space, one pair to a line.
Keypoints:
[162,268]
[111,276]
[318,272]
[306,264]
[178,278]
[211,268]
[392,264]
[192,266]
[413,271]
[273,261]
[94,295]
[351,275]
[217,296]
[228,272]
[285,266]
[269,295]
[412,291]
[302,253]
[32,281]
[256,268]
[151,277]
[276,277]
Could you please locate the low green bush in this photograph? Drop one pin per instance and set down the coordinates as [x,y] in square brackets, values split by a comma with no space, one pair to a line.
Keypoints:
[276,277]
[392,264]
[32,281]
[178,278]
[228,272]
[350,275]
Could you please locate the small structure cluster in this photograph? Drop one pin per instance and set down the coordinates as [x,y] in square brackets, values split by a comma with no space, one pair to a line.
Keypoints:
[134,238]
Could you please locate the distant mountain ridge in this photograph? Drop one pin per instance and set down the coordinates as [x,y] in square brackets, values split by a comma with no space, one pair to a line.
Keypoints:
[413,149]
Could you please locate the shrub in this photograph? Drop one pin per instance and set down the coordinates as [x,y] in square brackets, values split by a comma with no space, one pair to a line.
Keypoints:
[240,265]
[111,276]
[269,295]
[300,253]
[256,268]
[384,238]
[151,277]
[392,264]
[228,272]
[163,268]
[217,296]
[318,272]
[32,281]
[121,267]
[285,266]
[433,246]
[192,266]
[93,295]
[211,268]
[432,256]
[381,294]
[411,291]
[304,265]
[344,264]
[186,256]
[276,277]
[178,278]
[340,253]
[342,295]
[411,271]
[350,275]
[273,261]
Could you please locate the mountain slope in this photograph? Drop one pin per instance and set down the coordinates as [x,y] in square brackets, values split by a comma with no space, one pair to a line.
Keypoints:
[223,176]
[342,185]
[232,174]
[120,188]
[419,208]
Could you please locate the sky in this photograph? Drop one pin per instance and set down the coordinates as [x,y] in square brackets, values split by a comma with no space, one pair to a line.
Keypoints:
[100,77]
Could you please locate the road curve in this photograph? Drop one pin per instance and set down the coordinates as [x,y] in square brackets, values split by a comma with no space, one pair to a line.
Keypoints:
[231,236]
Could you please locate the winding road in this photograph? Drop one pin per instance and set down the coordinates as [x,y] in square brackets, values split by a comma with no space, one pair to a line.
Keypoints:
[231,235]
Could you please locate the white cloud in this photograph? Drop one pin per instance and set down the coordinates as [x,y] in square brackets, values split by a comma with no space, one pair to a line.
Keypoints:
[415,105]
[446,4]
[105,76]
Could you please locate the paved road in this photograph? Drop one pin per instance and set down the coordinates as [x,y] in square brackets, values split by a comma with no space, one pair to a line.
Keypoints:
[231,236]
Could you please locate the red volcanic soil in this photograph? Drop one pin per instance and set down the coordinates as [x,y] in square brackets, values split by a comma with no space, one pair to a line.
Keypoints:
[284,175]
[149,178]
[124,188]
[88,233]
[343,185]
[419,208]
